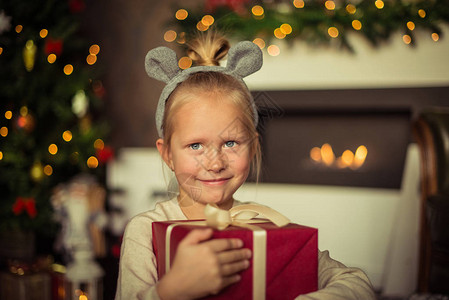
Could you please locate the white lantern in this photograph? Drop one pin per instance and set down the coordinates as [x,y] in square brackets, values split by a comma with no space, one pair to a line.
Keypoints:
[84,278]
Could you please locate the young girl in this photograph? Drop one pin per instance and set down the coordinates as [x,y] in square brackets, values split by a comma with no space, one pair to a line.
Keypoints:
[207,122]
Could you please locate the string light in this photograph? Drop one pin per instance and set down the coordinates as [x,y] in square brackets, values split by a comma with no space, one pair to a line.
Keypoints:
[170,35]
[91,59]
[259,42]
[356,24]
[94,49]
[8,115]
[201,27]
[422,13]
[379,4]
[207,20]
[407,39]
[51,58]
[24,111]
[435,37]
[329,4]
[19,28]
[1,155]
[333,32]
[181,38]
[4,131]
[298,3]
[67,136]
[68,69]
[43,33]
[181,14]
[185,62]
[257,10]
[92,162]
[351,9]
[99,144]
[53,149]
[1,50]
[48,170]
[286,28]
[279,34]
[410,25]
[273,50]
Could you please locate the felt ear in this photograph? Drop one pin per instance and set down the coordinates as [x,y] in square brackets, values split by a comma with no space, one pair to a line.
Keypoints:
[244,59]
[161,63]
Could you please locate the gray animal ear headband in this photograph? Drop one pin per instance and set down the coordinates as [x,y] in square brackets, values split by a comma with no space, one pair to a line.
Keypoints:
[161,63]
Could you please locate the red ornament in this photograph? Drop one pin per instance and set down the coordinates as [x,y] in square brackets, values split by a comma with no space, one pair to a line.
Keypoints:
[77,6]
[53,46]
[104,155]
[27,204]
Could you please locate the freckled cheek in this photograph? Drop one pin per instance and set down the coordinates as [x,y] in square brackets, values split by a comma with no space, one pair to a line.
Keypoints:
[241,165]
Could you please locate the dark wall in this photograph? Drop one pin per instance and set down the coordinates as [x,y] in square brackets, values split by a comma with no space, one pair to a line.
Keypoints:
[126,31]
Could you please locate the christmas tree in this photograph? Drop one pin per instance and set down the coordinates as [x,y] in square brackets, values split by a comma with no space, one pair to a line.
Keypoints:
[51,126]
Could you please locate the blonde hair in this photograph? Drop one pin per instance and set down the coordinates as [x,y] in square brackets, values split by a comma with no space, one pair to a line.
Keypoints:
[208,49]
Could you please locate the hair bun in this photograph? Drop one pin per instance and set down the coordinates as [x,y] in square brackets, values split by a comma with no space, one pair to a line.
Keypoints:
[208,49]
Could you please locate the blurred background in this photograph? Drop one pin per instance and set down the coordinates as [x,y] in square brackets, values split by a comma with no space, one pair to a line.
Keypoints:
[340,94]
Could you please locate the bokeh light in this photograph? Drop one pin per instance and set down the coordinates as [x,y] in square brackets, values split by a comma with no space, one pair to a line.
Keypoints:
[407,39]
[185,62]
[257,10]
[298,3]
[273,50]
[51,58]
[68,69]
[4,131]
[8,115]
[170,35]
[259,42]
[94,49]
[91,59]
[43,33]
[435,37]
[379,4]
[92,162]
[333,32]
[350,8]
[99,144]
[329,4]
[356,24]
[48,170]
[67,136]
[181,14]
[53,149]
[422,13]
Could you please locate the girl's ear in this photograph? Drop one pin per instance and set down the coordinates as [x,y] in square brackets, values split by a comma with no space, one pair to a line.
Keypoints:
[164,151]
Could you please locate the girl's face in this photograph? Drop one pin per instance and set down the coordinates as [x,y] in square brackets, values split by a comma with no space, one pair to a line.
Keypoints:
[209,150]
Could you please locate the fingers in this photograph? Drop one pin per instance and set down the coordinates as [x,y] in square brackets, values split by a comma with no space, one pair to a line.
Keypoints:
[220,245]
[234,255]
[233,268]
[197,236]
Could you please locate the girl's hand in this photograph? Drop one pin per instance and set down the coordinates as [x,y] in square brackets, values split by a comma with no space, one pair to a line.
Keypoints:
[203,267]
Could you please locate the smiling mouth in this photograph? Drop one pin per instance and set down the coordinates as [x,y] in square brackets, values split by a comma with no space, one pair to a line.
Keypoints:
[218,181]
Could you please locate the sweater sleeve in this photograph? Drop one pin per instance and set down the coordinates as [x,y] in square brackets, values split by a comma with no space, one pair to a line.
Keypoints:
[338,282]
[137,272]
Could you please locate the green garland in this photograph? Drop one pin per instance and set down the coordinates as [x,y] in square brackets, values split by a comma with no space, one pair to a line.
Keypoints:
[318,22]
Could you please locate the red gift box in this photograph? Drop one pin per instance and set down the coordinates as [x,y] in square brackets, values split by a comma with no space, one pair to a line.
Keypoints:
[289,267]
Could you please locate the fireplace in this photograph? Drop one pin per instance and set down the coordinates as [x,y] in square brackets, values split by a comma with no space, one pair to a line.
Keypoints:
[342,137]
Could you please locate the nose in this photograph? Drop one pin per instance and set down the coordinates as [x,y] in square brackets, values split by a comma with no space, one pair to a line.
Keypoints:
[217,161]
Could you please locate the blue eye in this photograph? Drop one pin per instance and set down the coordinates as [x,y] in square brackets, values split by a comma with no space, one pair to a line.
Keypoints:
[195,146]
[230,144]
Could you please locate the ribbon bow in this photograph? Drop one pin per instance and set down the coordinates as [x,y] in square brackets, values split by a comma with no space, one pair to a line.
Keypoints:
[27,204]
[241,215]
